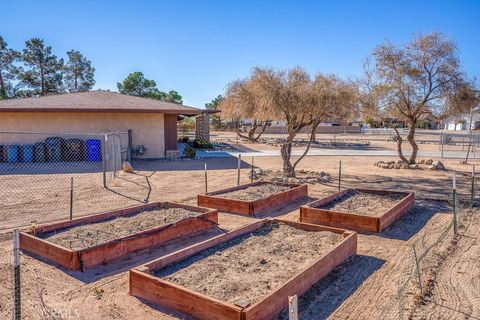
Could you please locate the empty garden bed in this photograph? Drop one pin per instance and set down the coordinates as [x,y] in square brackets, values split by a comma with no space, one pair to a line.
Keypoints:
[253,198]
[244,274]
[85,242]
[358,209]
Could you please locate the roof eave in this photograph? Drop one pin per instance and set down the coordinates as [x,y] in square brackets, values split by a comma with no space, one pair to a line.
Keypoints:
[166,111]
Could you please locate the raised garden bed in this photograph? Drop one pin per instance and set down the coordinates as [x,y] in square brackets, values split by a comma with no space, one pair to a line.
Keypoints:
[245,274]
[253,198]
[85,242]
[358,209]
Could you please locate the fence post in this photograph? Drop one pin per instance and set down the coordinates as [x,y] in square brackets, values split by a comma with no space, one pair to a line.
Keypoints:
[16,264]
[238,168]
[129,150]
[472,192]
[454,193]
[251,173]
[293,307]
[441,143]
[104,161]
[419,275]
[340,175]
[71,198]
[206,183]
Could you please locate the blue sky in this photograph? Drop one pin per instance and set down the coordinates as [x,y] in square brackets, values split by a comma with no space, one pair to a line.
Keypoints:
[197,47]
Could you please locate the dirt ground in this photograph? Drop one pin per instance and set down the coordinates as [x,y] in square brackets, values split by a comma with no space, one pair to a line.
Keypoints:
[88,235]
[363,203]
[364,287]
[245,269]
[254,192]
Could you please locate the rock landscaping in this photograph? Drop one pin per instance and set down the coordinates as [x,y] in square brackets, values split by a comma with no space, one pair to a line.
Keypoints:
[421,164]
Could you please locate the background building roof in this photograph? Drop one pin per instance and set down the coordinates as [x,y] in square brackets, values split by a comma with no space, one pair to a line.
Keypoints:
[94,101]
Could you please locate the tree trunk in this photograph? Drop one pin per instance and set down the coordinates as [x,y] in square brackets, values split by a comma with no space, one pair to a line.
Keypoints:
[286,152]
[312,138]
[399,146]
[469,138]
[3,92]
[251,133]
[411,139]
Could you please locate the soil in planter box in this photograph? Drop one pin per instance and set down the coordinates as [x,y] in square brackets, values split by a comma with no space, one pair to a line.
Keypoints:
[92,234]
[255,192]
[247,268]
[363,203]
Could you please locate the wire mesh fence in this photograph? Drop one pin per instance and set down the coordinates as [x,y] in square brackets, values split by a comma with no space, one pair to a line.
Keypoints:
[427,252]
[45,176]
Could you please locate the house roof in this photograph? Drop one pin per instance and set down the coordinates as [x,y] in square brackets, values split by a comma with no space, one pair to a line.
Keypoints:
[94,101]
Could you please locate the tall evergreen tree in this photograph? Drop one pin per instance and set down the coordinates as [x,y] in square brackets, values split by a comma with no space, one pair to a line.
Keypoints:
[136,84]
[7,68]
[79,73]
[44,70]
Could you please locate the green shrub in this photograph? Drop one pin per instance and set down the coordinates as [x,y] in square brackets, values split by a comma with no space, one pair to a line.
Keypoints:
[189,152]
[202,144]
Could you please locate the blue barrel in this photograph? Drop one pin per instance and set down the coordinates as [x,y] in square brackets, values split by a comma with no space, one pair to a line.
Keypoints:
[94,150]
[27,153]
[54,149]
[13,153]
[40,152]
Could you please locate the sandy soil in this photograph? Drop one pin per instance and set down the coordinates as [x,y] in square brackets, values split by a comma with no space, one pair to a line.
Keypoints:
[92,234]
[254,192]
[365,287]
[245,269]
[363,203]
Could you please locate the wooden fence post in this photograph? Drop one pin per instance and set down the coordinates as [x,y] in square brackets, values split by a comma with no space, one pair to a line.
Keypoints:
[293,307]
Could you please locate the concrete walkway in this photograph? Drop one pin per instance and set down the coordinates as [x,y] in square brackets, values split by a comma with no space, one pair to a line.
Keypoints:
[336,152]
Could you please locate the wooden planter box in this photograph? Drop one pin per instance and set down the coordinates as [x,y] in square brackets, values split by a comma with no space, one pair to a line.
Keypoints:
[92,256]
[145,285]
[215,199]
[312,214]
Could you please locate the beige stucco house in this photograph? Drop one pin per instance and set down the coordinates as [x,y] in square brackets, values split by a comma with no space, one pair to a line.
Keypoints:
[153,123]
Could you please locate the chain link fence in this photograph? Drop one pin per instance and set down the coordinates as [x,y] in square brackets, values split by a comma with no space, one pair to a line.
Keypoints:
[46,177]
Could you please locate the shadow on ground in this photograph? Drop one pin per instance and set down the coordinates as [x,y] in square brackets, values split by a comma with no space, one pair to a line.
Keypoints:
[415,219]
[329,293]
[224,163]
[132,260]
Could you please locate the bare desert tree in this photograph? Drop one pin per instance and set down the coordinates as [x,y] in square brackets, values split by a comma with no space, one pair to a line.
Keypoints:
[292,96]
[417,79]
[242,103]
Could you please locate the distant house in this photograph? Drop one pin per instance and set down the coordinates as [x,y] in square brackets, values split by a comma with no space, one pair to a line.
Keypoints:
[462,122]
[153,123]
[428,121]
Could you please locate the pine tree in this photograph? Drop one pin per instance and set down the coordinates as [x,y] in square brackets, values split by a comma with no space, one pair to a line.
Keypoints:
[8,71]
[44,70]
[79,73]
